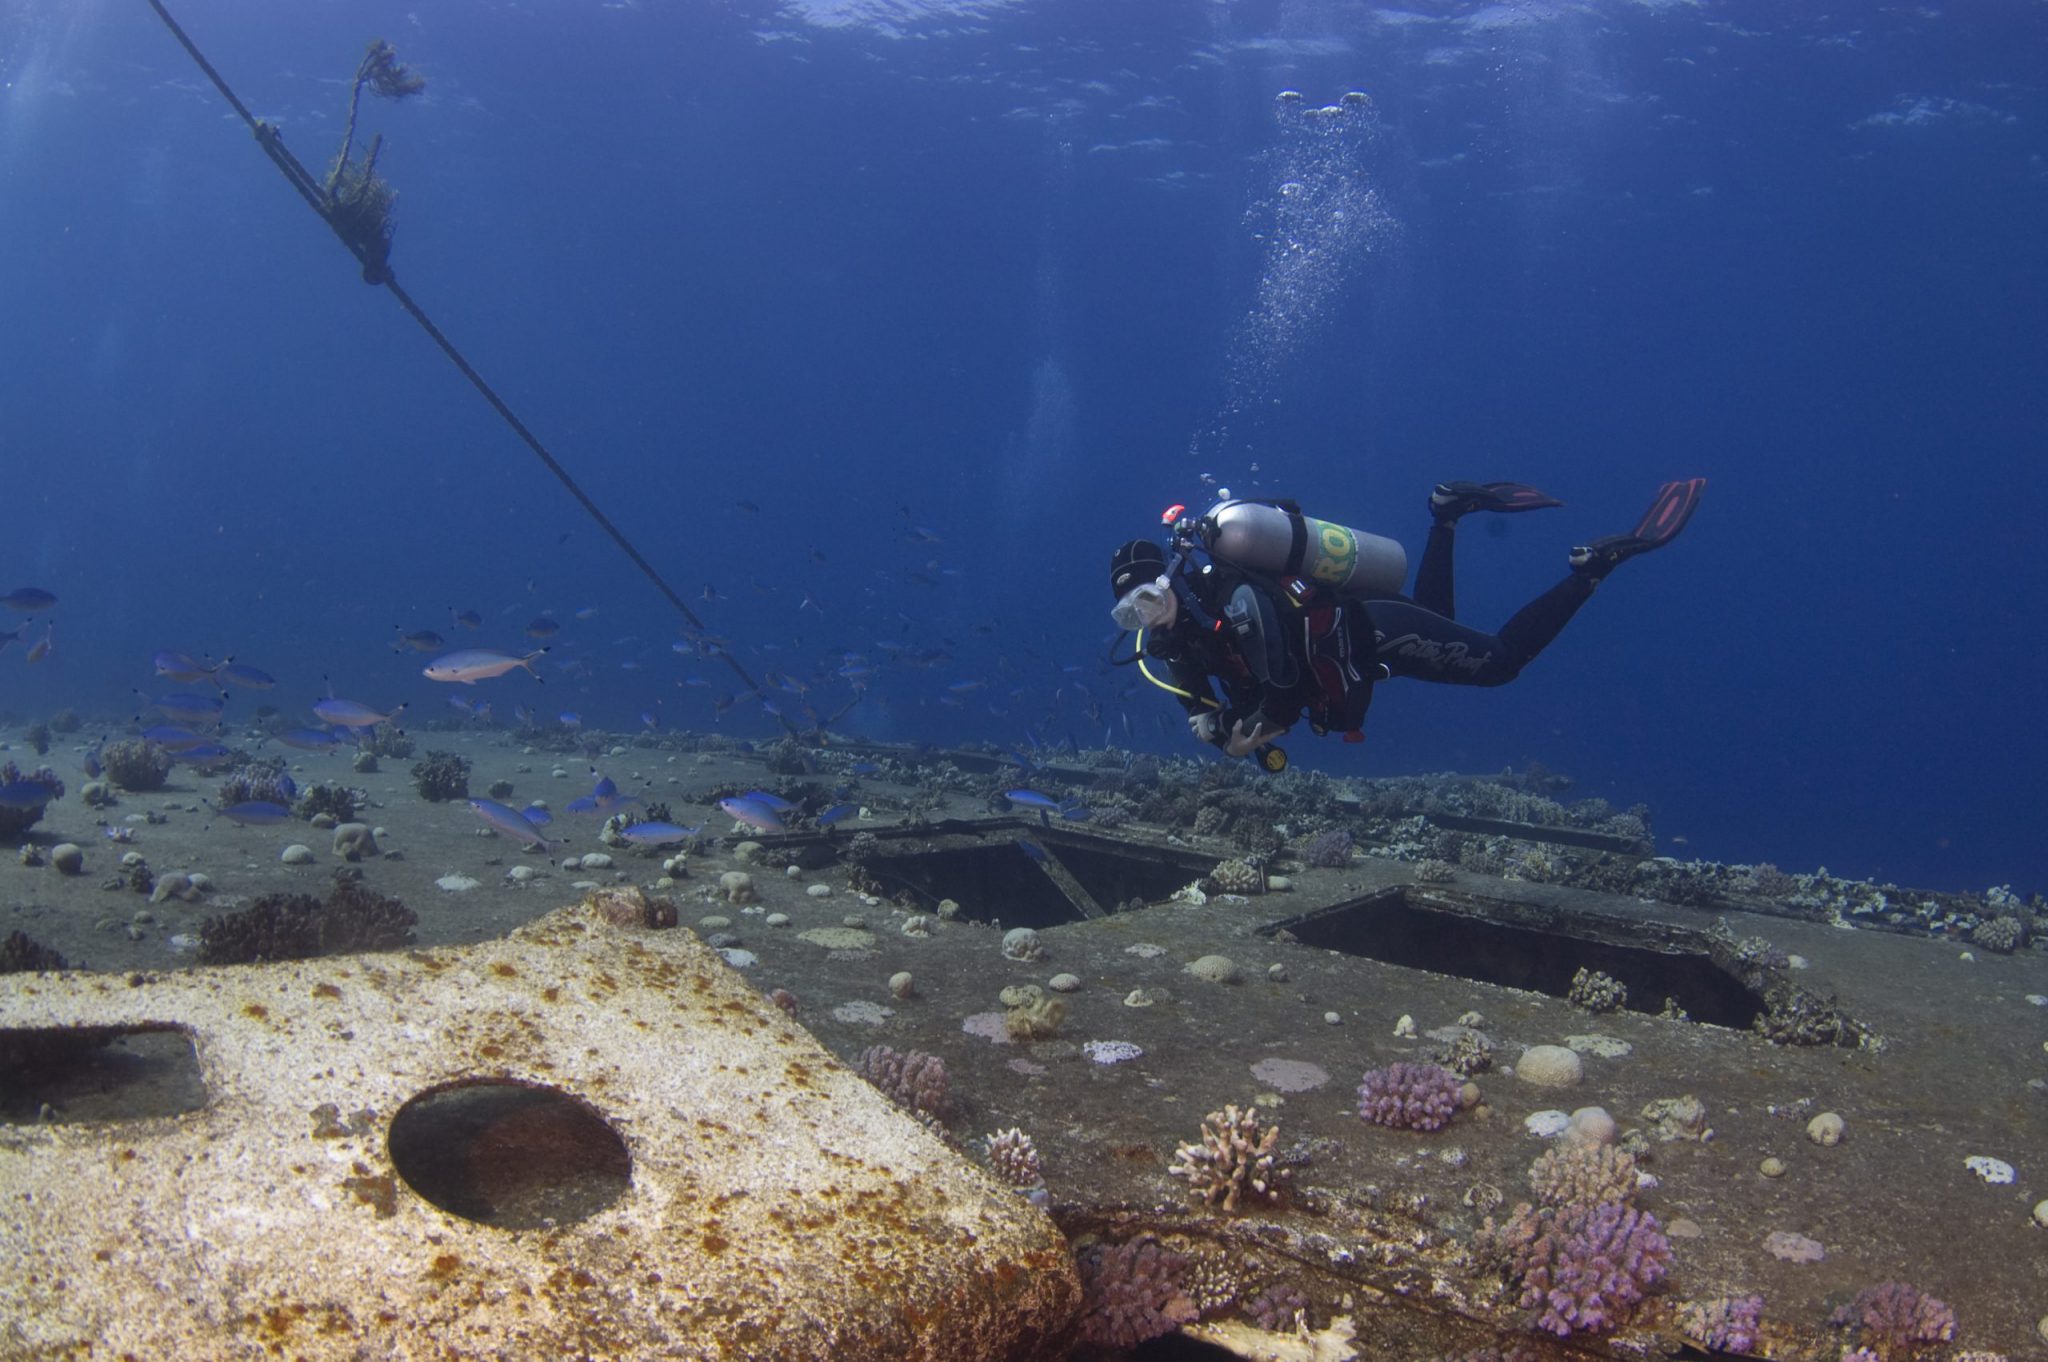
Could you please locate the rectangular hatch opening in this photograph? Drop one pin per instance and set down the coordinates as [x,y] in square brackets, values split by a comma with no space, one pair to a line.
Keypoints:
[1025,875]
[1540,949]
[79,1074]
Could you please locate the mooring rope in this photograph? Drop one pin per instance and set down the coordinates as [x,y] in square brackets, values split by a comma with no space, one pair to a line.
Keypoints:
[377,270]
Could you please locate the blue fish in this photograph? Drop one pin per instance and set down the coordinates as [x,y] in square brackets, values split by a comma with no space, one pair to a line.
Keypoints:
[536,815]
[25,794]
[257,813]
[309,739]
[1032,799]
[172,738]
[29,600]
[420,641]
[834,814]
[202,755]
[604,796]
[657,834]
[569,718]
[181,667]
[1031,849]
[242,674]
[193,709]
[350,714]
[775,802]
[753,813]
[511,823]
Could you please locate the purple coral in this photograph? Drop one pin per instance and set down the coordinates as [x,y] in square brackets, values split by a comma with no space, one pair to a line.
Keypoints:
[1726,1324]
[1276,1308]
[1409,1096]
[1131,1292]
[1893,1318]
[1585,1269]
[916,1081]
[1329,850]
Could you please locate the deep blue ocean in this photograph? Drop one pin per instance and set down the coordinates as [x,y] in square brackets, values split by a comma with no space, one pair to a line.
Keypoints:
[877,324]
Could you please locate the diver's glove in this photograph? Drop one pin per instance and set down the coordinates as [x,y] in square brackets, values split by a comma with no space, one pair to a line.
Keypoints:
[1203,726]
[1243,743]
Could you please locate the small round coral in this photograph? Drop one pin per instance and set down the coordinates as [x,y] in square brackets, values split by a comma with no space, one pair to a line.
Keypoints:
[1406,1096]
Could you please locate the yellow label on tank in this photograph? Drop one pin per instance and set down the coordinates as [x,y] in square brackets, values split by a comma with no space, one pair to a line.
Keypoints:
[1336,551]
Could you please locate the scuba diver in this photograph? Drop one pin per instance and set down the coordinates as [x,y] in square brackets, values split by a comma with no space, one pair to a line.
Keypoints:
[1293,616]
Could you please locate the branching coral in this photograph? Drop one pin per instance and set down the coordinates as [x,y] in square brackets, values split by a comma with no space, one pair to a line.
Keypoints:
[1725,1324]
[136,764]
[20,951]
[389,740]
[298,927]
[1237,876]
[337,801]
[1131,1292]
[1277,1308]
[1892,1319]
[1597,992]
[1583,1173]
[915,1081]
[1329,850]
[2001,934]
[1407,1096]
[262,781]
[441,777]
[1014,1158]
[1583,1271]
[1234,1160]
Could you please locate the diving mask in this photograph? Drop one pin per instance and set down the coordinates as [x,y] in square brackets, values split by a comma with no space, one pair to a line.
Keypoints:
[1145,606]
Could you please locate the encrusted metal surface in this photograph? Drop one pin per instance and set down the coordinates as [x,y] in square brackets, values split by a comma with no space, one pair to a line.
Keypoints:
[779,1207]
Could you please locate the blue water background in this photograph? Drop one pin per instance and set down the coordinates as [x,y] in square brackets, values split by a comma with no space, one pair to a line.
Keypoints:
[1013,278]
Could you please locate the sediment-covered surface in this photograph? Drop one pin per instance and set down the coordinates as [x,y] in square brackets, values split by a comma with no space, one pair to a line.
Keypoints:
[1927,1046]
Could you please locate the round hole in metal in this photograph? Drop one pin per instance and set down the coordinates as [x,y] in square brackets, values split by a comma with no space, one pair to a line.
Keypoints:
[516,1156]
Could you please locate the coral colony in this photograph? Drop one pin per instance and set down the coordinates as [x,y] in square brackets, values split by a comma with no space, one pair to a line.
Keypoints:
[1585,1270]
[1233,1161]
[1131,1292]
[1406,1096]
[1892,1319]
[1725,1324]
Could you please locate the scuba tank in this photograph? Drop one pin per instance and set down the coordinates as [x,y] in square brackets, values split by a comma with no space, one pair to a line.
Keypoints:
[1276,538]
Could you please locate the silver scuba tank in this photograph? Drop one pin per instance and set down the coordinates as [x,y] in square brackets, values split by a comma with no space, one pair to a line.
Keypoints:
[1266,538]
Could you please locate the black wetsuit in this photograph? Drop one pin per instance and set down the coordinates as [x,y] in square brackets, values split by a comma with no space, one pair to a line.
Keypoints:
[1322,653]
[1420,636]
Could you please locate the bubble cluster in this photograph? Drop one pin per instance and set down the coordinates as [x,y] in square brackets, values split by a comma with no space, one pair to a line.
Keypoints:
[1315,225]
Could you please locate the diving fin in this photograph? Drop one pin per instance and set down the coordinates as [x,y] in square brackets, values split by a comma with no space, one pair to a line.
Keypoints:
[1453,499]
[1673,507]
